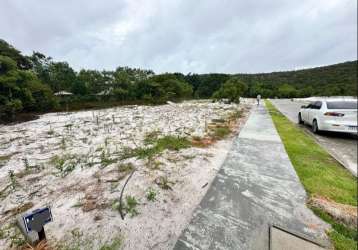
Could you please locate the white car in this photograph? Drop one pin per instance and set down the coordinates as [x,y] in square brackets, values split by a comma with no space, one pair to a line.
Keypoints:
[337,115]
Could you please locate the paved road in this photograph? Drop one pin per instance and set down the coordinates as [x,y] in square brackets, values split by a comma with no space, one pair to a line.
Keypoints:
[341,146]
[256,187]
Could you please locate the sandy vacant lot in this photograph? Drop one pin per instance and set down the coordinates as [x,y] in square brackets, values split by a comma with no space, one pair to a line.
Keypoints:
[77,163]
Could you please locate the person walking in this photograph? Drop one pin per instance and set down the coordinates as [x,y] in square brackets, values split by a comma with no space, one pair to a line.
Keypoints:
[258,98]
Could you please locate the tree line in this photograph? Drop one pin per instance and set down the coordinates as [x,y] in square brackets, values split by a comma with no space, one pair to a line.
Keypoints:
[29,84]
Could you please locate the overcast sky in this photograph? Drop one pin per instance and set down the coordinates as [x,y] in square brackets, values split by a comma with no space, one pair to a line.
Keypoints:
[229,36]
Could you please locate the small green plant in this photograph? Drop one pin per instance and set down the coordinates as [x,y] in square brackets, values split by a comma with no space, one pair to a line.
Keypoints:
[151,194]
[130,206]
[78,204]
[57,160]
[154,164]
[115,205]
[127,153]
[27,164]
[12,232]
[164,183]
[65,164]
[173,143]
[13,180]
[125,167]
[51,132]
[2,234]
[146,152]
[168,142]
[221,132]
[68,126]
[106,160]
[76,233]
[115,244]
[103,155]
[16,237]
[5,231]
[235,115]
[76,241]
[5,157]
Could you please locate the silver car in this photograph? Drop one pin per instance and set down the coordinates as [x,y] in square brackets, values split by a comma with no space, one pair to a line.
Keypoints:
[338,115]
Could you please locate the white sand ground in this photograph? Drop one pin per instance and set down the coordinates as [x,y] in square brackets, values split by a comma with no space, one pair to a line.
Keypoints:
[83,202]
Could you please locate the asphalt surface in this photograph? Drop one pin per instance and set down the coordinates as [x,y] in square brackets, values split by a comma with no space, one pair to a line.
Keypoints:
[255,188]
[343,147]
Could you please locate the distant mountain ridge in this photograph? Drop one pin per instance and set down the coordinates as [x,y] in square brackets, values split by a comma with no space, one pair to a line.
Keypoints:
[337,79]
[340,78]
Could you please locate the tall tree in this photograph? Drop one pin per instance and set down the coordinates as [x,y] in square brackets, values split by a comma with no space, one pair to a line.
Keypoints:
[40,65]
[8,50]
[21,90]
[232,89]
[286,90]
[61,76]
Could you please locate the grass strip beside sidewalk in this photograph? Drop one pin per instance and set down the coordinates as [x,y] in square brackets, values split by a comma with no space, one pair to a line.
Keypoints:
[320,174]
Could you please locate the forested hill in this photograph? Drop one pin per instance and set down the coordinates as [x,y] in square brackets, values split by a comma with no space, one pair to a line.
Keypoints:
[333,80]
[337,79]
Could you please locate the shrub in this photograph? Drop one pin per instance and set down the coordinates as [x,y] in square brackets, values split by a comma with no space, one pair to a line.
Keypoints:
[65,164]
[113,245]
[151,194]
[221,132]
[131,204]
[157,145]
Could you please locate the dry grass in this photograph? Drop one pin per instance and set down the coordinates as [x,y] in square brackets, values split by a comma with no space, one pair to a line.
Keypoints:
[42,245]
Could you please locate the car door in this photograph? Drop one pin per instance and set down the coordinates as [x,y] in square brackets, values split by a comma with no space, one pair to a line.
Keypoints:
[314,110]
[305,113]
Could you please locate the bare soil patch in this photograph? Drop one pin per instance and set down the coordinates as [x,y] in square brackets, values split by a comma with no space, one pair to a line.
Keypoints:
[78,163]
[345,214]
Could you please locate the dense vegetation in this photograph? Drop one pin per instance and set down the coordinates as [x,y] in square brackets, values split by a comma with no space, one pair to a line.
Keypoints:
[20,88]
[334,80]
[28,84]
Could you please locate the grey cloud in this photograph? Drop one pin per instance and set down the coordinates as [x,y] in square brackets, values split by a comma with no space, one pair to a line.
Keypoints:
[188,36]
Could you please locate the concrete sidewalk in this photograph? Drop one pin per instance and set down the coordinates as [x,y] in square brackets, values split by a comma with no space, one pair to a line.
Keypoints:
[256,187]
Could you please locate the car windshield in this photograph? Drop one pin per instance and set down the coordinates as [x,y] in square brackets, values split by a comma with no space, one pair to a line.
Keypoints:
[342,105]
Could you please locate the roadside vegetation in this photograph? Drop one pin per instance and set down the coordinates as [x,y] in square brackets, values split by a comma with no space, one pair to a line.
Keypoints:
[323,178]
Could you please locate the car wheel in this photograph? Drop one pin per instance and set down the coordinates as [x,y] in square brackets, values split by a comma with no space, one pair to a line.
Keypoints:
[300,121]
[315,128]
